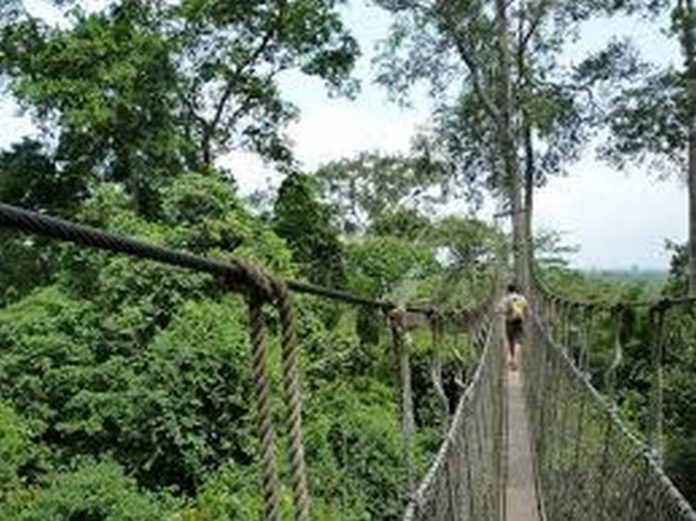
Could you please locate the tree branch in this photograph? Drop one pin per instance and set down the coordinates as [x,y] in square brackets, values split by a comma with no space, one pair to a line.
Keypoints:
[467,56]
[476,81]
[210,128]
[534,25]
[229,88]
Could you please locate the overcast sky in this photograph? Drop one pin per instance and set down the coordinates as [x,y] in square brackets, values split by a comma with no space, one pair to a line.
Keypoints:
[618,220]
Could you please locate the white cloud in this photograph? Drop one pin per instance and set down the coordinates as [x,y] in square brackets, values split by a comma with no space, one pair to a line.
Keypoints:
[336,129]
[250,172]
[14,124]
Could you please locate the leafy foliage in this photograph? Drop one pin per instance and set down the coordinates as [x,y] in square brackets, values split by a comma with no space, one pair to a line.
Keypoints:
[14,447]
[91,491]
[364,188]
[140,90]
[117,367]
[305,223]
[378,266]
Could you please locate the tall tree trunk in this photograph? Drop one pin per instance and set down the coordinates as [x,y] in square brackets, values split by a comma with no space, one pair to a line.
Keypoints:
[206,151]
[519,236]
[528,183]
[692,199]
[509,148]
[528,143]
[686,12]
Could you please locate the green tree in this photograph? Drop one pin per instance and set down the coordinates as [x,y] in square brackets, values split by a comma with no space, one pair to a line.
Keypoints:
[388,266]
[402,223]
[363,188]
[469,250]
[141,90]
[14,448]
[516,118]
[94,491]
[29,177]
[305,223]
[105,85]
[651,109]
[230,93]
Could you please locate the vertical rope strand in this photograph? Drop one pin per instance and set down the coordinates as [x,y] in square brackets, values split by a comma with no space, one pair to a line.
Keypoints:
[262,388]
[618,317]
[293,403]
[588,321]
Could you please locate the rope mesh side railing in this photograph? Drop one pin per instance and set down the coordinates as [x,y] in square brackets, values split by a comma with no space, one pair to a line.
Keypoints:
[465,480]
[623,346]
[588,464]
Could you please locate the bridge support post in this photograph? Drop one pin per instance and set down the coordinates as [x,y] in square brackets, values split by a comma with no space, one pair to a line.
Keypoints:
[436,332]
[408,423]
[655,427]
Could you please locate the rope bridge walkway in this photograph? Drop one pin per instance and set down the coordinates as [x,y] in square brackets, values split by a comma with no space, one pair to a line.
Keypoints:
[540,444]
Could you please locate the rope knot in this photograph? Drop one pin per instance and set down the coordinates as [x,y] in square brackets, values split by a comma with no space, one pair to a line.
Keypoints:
[256,282]
[396,317]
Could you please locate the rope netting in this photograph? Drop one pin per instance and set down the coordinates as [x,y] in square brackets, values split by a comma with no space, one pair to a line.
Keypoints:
[588,464]
[465,481]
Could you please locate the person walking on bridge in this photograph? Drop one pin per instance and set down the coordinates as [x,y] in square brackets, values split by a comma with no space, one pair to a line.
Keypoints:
[514,307]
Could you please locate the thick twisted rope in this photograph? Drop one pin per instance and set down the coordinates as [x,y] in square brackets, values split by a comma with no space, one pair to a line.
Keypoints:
[262,387]
[238,274]
[269,287]
[235,272]
[293,403]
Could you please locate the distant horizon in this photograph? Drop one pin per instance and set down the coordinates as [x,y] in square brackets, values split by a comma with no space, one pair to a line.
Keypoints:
[630,269]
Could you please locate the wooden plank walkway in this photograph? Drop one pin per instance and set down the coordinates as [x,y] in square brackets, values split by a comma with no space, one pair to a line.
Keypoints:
[520,494]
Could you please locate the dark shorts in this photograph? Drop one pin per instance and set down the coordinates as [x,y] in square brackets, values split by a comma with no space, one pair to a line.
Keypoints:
[515,331]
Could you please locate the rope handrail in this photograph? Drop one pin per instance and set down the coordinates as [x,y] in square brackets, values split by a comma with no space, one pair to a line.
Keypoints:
[234,271]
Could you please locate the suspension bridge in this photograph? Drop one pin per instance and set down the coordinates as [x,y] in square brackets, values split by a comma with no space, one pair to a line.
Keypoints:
[539,444]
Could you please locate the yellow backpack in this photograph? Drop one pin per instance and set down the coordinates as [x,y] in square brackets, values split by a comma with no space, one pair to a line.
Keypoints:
[518,306]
